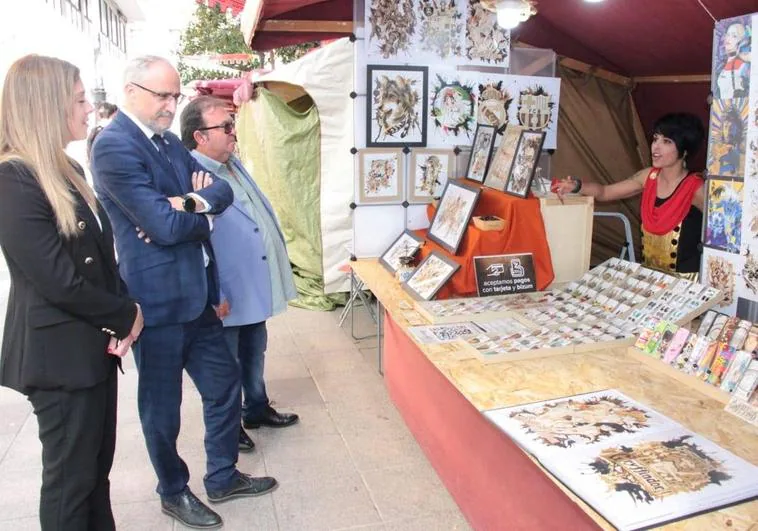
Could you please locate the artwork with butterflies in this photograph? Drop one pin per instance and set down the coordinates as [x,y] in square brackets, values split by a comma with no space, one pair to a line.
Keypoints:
[457,32]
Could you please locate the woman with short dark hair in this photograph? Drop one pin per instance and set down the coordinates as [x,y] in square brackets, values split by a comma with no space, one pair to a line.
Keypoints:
[673,197]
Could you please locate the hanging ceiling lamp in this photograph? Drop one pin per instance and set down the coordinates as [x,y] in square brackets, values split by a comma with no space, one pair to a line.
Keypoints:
[511,13]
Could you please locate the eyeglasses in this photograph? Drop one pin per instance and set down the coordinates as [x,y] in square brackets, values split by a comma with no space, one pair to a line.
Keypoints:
[228,127]
[164,96]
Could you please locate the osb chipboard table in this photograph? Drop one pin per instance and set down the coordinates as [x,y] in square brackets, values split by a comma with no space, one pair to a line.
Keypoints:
[496,484]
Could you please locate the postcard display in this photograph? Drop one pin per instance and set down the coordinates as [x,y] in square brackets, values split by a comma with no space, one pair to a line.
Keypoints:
[416,112]
[608,307]
[730,236]
[634,466]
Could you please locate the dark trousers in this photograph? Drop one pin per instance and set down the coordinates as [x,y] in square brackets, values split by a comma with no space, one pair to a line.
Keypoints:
[78,434]
[248,343]
[162,354]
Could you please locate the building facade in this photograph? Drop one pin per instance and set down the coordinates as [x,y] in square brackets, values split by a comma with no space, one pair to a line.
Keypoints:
[92,34]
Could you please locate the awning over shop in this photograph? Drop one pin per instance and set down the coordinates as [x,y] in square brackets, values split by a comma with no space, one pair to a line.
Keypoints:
[269,24]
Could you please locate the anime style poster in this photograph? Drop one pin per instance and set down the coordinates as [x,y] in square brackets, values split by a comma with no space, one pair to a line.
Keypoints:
[723,228]
[728,138]
[732,44]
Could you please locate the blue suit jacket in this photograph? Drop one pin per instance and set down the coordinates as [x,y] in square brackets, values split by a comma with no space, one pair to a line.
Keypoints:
[133,180]
[242,262]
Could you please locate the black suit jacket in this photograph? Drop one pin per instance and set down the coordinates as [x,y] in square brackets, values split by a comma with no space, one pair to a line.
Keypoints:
[66,298]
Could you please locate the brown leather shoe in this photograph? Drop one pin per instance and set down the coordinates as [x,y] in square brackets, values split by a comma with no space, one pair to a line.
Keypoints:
[243,486]
[272,419]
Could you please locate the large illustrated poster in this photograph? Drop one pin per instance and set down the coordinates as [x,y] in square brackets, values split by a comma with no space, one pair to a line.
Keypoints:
[634,466]
[731,219]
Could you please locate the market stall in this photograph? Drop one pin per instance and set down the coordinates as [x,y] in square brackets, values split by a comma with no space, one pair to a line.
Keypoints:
[595,395]
[441,391]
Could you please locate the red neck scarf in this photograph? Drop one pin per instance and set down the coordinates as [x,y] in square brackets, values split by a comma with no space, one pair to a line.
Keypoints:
[662,220]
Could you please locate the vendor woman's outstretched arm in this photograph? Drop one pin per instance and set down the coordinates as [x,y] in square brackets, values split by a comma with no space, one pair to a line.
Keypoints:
[604,192]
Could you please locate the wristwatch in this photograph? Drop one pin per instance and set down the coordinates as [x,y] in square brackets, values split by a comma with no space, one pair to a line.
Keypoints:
[189,204]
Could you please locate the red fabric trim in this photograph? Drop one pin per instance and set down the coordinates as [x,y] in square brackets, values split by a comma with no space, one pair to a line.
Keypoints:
[662,219]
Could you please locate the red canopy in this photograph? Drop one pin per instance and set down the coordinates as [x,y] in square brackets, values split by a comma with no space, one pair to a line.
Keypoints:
[634,38]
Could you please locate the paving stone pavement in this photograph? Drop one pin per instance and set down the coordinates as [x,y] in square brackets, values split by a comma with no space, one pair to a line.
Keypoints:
[350,463]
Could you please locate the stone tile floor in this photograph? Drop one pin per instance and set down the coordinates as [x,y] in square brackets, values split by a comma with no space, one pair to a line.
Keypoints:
[351,463]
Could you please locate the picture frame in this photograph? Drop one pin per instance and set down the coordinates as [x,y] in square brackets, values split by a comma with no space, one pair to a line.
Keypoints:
[502,161]
[430,170]
[453,215]
[724,203]
[525,161]
[389,88]
[430,276]
[406,242]
[481,152]
[381,176]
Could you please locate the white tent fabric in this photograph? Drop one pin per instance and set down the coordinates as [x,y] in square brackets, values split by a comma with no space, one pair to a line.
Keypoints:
[326,74]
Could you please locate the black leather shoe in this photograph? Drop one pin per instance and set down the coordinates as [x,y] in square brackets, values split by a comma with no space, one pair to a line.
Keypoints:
[243,486]
[272,419]
[246,444]
[190,511]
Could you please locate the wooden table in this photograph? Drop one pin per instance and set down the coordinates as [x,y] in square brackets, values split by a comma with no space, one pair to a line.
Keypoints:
[495,483]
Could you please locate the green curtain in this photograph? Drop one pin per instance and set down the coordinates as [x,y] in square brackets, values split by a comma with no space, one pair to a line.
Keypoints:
[281,148]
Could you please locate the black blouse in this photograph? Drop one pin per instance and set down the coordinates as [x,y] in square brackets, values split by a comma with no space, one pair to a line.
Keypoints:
[689,252]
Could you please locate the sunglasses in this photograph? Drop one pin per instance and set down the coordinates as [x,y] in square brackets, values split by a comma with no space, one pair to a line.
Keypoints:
[163,96]
[228,127]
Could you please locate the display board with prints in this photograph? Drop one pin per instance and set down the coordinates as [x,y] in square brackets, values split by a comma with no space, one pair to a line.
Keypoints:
[402,46]
[730,235]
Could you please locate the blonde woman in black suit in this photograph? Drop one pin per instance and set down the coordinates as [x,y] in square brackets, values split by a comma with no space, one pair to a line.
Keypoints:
[67,307]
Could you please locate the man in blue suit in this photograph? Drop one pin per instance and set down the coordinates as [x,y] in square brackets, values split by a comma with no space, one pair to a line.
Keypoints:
[161,203]
[254,268]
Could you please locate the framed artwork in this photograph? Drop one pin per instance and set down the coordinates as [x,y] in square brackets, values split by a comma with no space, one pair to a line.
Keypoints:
[720,271]
[381,176]
[727,138]
[430,171]
[396,106]
[390,29]
[500,167]
[525,161]
[453,214]
[536,105]
[723,224]
[430,276]
[481,150]
[407,244]
[452,108]
[730,78]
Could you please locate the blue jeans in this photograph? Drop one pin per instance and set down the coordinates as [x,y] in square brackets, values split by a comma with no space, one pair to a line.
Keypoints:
[248,343]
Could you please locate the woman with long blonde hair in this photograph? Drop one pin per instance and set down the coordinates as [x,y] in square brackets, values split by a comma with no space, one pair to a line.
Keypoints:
[67,306]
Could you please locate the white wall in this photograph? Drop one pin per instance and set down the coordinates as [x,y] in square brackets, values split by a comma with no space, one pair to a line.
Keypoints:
[34,26]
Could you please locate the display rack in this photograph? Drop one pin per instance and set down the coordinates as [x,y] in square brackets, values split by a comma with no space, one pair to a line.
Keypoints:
[691,381]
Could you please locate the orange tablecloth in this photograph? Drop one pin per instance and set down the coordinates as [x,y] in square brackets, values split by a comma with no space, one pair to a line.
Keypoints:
[524,232]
